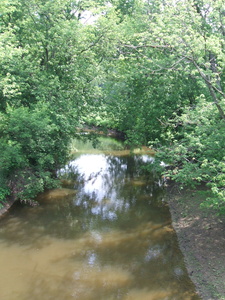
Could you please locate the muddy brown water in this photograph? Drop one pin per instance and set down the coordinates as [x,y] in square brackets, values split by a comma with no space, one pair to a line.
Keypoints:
[105,235]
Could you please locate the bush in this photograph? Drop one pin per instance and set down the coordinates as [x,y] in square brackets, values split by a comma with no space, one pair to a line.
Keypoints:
[33,146]
[194,152]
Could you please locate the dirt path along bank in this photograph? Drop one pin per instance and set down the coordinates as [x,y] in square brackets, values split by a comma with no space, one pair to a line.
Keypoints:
[201,237]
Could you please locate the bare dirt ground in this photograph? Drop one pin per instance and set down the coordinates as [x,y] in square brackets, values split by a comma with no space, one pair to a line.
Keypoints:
[201,236]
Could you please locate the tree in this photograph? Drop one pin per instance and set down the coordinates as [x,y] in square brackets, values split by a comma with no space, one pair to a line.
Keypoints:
[144,85]
[169,74]
[50,70]
[146,68]
[191,33]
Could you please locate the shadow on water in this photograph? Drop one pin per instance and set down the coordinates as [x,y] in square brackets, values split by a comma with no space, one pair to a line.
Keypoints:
[106,235]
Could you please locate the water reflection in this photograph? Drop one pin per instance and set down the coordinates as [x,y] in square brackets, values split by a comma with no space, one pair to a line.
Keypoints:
[107,235]
[111,185]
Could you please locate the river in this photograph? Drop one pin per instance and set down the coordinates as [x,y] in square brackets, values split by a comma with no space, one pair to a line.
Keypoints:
[105,235]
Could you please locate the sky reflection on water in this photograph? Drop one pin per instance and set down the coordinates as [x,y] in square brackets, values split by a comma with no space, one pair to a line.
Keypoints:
[106,236]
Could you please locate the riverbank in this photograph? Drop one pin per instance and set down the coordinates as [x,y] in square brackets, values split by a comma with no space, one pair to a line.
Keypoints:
[202,241]
[6,206]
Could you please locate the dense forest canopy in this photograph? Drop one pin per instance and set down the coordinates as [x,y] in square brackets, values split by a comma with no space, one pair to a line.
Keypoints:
[153,70]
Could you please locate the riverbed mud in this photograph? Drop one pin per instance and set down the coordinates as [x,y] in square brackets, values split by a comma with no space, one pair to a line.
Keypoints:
[201,239]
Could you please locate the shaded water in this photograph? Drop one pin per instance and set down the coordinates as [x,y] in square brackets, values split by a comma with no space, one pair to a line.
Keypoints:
[106,235]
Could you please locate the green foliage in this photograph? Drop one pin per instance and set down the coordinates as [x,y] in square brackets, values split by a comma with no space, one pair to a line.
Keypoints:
[34,133]
[196,153]
[33,146]
[29,183]
[140,67]
[50,70]
[4,192]
[167,83]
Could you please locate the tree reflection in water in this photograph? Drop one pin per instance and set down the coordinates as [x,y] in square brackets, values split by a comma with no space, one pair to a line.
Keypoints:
[108,235]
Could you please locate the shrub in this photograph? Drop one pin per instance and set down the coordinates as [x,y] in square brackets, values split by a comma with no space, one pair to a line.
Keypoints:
[33,145]
[194,152]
